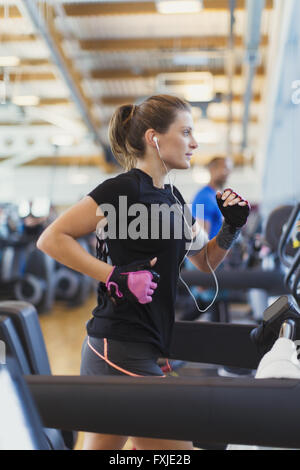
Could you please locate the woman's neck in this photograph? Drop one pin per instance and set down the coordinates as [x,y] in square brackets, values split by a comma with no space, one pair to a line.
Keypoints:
[155,170]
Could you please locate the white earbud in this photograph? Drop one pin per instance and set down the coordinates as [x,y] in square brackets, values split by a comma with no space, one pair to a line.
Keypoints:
[155,139]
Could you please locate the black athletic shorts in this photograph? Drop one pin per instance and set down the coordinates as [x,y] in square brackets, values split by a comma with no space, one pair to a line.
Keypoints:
[102,356]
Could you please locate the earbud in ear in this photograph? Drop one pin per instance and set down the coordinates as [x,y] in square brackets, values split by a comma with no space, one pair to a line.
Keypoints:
[155,139]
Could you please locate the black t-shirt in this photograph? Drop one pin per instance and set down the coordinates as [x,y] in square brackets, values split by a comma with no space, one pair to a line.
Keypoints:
[152,322]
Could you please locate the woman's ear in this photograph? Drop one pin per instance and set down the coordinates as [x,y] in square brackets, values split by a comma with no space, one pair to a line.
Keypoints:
[149,137]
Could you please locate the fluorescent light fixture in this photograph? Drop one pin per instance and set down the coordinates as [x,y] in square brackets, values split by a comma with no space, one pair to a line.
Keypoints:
[178,6]
[186,59]
[71,126]
[199,93]
[2,92]
[63,140]
[193,86]
[198,58]
[236,135]
[25,100]
[9,61]
[40,207]
[24,208]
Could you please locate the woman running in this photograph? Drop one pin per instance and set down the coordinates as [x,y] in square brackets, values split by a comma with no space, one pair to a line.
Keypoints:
[143,227]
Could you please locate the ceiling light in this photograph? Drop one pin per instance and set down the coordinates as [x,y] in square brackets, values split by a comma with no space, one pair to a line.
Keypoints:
[185,59]
[9,61]
[63,140]
[25,100]
[236,135]
[2,92]
[179,6]
[24,209]
[193,86]
[199,93]
[40,207]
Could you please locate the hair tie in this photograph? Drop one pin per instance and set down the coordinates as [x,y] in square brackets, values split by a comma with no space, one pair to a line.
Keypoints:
[134,108]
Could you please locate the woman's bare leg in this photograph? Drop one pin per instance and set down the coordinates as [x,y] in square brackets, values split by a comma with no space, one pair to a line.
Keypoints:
[142,443]
[94,441]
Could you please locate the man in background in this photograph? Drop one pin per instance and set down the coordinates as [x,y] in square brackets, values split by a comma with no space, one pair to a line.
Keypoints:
[211,219]
[205,209]
[219,169]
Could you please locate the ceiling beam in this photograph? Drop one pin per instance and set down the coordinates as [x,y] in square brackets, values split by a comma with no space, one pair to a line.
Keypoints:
[237,158]
[123,74]
[256,98]
[235,120]
[31,62]
[240,4]
[201,42]
[66,160]
[111,101]
[178,43]
[107,8]
[99,161]
[55,102]
[29,77]
[140,8]
[21,123]
[216,120]
[18,38]
[10,11]
[59,160]
[115,74]
[120,100]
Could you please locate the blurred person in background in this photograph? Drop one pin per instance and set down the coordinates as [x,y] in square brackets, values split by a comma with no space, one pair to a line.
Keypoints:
[205,210]
[219,169]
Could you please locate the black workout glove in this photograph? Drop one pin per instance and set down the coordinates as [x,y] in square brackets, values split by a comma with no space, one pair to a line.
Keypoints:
[235,217]
[135,282]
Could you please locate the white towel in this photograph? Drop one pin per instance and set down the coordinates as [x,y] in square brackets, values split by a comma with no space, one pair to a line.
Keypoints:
[280,362]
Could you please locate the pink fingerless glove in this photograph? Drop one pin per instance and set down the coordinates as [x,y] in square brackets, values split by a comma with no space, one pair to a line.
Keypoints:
[136,282]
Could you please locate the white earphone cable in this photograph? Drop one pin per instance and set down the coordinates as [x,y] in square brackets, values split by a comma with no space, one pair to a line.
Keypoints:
[178,205]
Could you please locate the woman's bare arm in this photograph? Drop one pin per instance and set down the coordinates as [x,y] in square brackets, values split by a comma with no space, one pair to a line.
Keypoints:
[59,239]
[215,256]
